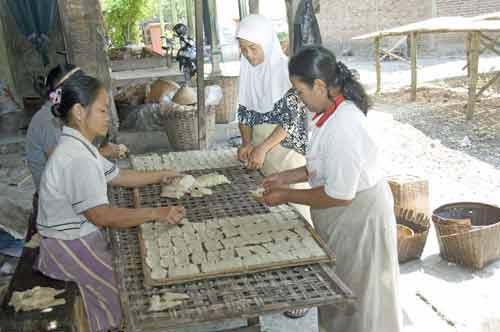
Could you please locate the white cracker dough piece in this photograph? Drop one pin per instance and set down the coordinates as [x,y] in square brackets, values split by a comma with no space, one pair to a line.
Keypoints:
[166,252]
[168,296]
[188,228]
[213,257]
[194,247]
[229,264]
[278,236]
[258,250]
[230,231]
[211,234]
[213,245]
[243,252]
[257,193]
[198,257]
[211,180]
[167,262]
[179,242]
[184,271]
[226,254]
[200,227]
[179,187]
[198,192]
[212,224]
[180,260]
[252,260]
[207,267]
[158,273]
[166,301]
[152,260]
[36,298]
[175,231]
[150,244]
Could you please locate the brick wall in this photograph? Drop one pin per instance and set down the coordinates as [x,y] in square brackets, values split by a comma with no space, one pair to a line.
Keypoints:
[466,7]
[341,20]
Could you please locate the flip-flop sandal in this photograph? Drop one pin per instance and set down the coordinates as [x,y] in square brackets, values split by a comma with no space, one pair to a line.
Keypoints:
[296,313]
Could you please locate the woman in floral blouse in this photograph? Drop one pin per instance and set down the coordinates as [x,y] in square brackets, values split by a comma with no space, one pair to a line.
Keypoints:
[272,118]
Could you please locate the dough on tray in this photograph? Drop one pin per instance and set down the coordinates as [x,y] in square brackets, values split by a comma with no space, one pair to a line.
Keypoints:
[179,187]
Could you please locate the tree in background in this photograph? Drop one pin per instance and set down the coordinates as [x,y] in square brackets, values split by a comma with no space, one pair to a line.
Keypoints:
[123,17]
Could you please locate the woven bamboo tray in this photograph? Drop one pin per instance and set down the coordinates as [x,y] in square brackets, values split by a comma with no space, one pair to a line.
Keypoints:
[474,245]
[327,257]
[410,248]
[228,200]
[211,300]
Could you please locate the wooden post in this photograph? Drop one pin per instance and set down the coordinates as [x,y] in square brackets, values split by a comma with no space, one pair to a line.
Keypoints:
[475,44]
[200,76]
[215,52]
[413,48]
[377,65]
[467,52]
[83,29]
[291,10]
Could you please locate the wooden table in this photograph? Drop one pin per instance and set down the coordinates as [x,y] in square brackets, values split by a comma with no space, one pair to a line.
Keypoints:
[222,299]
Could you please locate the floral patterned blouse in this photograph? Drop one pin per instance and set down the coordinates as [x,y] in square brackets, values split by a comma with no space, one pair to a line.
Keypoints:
[290,113]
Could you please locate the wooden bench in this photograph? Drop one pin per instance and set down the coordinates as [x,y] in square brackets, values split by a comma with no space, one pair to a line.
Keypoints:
[64,318]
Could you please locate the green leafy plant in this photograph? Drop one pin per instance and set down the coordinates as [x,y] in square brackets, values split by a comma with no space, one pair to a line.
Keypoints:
[122,18]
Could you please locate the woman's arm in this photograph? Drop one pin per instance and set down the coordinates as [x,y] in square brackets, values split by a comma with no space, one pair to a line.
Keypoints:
[296,175]
[131,179]
[316,198]
[107,216]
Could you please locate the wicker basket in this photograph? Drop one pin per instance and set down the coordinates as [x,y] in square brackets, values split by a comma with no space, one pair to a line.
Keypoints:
[225,112]
[181,126]
[411,247]
[468,233]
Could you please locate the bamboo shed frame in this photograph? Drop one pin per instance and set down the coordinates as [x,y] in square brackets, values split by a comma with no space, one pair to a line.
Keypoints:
[475,30]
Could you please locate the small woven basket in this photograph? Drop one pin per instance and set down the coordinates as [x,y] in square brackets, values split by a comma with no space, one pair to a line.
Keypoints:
[468,233]
[411,247]
[181,125]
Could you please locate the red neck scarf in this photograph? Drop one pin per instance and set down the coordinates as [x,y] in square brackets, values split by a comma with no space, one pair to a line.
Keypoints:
[329,111]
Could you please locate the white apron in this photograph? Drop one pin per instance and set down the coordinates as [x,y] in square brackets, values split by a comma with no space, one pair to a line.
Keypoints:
[280,159]
[363,238]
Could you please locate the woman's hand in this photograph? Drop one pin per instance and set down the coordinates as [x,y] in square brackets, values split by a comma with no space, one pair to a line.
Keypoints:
[257,157]
[273,197]
[274,181]
[169,176]
[170,215]
[244,151]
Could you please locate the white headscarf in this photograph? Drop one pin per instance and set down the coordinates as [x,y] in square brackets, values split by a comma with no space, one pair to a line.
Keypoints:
[262,85]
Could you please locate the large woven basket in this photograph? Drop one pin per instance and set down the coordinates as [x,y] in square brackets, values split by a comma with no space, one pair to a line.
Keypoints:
[225,112]
[411,247]
[468,233]
[181,126]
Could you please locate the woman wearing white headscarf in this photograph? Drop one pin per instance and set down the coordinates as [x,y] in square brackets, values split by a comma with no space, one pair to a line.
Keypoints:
[272,118]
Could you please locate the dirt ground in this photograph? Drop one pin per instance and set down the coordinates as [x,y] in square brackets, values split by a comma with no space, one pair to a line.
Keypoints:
[439,112]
